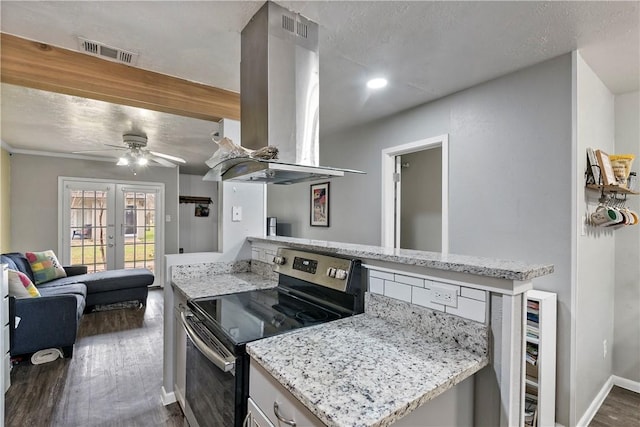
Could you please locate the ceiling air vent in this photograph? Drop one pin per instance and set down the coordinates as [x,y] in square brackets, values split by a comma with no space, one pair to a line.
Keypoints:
[107,52]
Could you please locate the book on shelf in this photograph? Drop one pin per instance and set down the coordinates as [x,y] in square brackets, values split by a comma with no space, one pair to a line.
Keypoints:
[535,305]
[593,168]
[533,333]
[534,317]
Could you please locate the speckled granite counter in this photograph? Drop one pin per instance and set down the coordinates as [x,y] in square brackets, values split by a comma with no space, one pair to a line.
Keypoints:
[371,369]
[221,284]
[504,269]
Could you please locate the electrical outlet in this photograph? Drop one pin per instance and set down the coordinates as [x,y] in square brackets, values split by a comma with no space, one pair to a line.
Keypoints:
[604,349]
[444,296]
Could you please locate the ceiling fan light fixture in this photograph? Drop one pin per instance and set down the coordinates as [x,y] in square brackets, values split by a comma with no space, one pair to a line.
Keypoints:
[377,83]
[142,161]
[123,161]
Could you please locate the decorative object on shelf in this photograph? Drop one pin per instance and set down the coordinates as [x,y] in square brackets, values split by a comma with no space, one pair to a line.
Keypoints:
[606,170]
[320,204]
[202,210]
[621,164]
[195,199]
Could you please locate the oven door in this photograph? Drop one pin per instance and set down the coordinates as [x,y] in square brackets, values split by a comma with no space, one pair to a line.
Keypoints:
[212,392]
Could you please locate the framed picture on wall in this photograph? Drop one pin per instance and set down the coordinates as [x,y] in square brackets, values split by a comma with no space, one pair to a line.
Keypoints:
[320,204]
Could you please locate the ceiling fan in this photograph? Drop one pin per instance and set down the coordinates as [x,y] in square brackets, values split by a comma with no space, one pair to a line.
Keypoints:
[137,154]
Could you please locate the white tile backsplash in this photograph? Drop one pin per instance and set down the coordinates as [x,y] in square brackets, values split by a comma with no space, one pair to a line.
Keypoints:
[476,294]
[376,285]
[381,274]
[422,297]
[469,308]
[409,280]
[397,290]
[430,284]
[471,303]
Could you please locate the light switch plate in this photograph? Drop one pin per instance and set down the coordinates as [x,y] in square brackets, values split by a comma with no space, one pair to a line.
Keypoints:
[236,213]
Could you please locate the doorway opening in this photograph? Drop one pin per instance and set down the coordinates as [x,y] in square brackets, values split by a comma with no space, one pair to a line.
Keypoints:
[420,224]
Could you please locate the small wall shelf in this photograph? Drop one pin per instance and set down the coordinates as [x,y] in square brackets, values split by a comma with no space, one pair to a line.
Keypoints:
[611,189]
[195,199]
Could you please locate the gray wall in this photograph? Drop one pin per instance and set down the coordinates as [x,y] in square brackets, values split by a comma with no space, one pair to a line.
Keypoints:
[34,196]
[594,290]
[421,200]
[626,347]
[198,234]
[510,179]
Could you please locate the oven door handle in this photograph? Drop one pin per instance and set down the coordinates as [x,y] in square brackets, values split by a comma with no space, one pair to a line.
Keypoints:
[225,364]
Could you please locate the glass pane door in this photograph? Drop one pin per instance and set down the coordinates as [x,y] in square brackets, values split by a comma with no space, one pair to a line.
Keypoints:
[87,225]
[139,228]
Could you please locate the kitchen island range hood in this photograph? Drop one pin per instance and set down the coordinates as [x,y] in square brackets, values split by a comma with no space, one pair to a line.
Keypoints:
[279,101]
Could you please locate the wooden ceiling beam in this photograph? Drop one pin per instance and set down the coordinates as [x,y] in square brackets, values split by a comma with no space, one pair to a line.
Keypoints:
[41,66]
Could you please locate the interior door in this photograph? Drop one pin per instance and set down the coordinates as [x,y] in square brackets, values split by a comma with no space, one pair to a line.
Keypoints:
[107,225]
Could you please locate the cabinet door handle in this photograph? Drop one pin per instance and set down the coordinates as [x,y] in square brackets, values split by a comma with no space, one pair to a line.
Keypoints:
[276,411]
[245,423]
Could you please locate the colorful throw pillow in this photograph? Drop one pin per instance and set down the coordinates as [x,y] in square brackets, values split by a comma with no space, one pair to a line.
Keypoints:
[45,266]
[20,286]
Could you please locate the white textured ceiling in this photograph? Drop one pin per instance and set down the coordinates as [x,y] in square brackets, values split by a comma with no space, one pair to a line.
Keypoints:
[426,49]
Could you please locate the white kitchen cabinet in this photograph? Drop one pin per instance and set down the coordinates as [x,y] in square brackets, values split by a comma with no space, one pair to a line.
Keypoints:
[255,416]
[266,392]
[539,364]
[180,358]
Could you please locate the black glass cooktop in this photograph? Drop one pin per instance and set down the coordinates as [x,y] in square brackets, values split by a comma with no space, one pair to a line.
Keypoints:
[248,316]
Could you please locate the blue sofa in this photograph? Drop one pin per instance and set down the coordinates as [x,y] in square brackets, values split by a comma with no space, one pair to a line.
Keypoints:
[52,320]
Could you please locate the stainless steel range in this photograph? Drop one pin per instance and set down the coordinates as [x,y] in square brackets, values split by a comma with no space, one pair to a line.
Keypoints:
[312,289]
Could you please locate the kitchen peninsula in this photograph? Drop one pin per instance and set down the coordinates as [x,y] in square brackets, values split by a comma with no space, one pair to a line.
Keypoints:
[488,296]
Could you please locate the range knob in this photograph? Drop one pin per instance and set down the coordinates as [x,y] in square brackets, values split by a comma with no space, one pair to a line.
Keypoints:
[279,260]
[341,274]
[331,272]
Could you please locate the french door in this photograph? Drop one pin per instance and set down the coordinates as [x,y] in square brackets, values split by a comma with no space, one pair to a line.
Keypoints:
[111,225]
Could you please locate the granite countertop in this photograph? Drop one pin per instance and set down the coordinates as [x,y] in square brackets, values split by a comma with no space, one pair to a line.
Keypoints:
[504,269]
[370,370]
[221,284]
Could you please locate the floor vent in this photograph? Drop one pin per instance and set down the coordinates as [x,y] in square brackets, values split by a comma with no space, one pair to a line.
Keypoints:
[107,52]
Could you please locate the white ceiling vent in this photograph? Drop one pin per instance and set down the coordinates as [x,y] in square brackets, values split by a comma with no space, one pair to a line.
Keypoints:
[107,52]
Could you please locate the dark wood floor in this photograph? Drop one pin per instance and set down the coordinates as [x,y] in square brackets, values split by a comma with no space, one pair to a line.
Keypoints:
[621,408]
[113,379]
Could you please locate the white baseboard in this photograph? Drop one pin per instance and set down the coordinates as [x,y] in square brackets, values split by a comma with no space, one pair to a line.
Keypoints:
[167,398]
[625,383]
[591,411]
[595,404]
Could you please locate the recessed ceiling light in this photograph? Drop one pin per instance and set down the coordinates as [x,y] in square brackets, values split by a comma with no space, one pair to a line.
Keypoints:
[377,83]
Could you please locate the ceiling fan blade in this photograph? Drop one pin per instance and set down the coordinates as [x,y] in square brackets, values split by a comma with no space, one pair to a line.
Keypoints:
[117,147]
[92,151]
[162,162]
[168,157]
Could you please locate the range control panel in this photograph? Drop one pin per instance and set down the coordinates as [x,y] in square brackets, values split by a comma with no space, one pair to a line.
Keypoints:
[324,270]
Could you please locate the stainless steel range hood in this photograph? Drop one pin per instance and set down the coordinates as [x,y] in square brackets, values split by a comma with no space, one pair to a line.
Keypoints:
[279,101]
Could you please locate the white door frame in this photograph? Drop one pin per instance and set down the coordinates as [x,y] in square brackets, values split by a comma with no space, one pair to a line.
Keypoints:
[388,187]
[160,209]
